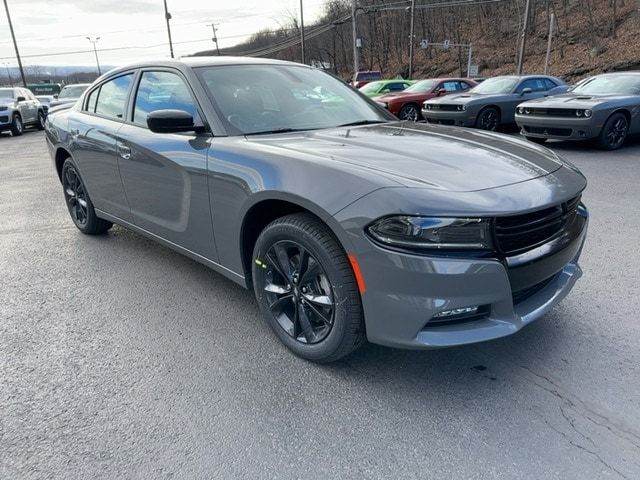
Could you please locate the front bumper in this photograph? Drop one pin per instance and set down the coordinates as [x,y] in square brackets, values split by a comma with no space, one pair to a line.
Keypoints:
[559,128]
[405,291]
[450,117]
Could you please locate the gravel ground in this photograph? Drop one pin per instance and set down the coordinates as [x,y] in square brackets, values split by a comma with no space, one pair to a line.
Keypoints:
[122,359]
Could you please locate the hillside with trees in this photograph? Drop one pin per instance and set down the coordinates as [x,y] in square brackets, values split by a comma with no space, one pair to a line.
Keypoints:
[592,36]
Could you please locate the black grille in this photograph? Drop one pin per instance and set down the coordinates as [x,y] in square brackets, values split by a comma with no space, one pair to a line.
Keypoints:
[522,295]
[4,119]
[554,112]
[519,233]
[441,106]
[559,132]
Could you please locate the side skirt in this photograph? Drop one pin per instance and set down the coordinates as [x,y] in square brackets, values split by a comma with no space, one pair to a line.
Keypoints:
[230,274]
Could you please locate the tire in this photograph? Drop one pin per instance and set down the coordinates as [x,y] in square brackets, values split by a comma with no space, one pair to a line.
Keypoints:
[41,120]
[614,132]
[78,202]
[488,119]
[410,112]
[329,326]
[537,140]
[17,127]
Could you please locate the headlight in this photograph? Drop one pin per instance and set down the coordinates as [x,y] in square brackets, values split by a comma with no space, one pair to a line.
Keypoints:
[579,113]
[520,110]
[432,232]
[587,113]
[527,111]
[462,108]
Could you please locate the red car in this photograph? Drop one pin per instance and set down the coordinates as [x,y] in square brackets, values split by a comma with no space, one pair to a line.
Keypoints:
[406,104]
[363,77]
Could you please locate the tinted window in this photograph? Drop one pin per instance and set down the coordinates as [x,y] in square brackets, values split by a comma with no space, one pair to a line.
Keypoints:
[535,84]
[113,96]
[396,87]
[91,100]
[549,84]
[464,85]
[162,91]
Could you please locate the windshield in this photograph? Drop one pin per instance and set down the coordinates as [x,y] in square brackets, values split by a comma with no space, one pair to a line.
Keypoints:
[610,85]
[372,87]
[6,93]
[72,91]
[254,99]
[496,85]
[422,86]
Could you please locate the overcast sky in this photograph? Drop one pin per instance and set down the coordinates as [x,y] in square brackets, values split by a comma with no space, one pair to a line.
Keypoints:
[57,26]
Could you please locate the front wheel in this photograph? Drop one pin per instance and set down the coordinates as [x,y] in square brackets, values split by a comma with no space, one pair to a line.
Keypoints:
[410,112]
[614,132]
[79,204]
[306,289]
[41,120]
[488,119]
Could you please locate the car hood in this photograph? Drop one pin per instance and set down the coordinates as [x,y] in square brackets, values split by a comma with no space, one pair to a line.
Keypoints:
[63,101]
[401,95]
[571,100]
[420,155]
[469,97]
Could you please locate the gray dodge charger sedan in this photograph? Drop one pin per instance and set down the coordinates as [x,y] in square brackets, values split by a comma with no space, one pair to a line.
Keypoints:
[347,224]
[605,108]
[492,103]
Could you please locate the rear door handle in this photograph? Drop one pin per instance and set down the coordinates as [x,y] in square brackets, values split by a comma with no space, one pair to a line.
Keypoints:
[124,152]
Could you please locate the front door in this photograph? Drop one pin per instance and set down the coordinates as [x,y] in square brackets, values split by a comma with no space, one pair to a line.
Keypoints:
[165,174]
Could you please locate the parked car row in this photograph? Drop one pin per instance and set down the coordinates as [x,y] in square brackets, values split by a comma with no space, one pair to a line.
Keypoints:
[20,108]
[605,108]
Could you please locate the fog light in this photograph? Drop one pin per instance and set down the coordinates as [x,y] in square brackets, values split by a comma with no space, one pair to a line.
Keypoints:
[456,312]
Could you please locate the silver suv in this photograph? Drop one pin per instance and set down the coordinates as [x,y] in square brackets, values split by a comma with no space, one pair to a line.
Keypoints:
[20,108]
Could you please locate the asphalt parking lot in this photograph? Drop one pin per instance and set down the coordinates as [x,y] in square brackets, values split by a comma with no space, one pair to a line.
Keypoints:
[122,359]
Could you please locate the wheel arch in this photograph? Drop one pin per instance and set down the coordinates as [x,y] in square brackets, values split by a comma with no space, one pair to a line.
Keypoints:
[60,156]
[267,207]
[623,111]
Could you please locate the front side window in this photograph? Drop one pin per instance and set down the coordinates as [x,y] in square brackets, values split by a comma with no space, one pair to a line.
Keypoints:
[255,99]
[162,91]
[450,86]
[112,97]
[535,84]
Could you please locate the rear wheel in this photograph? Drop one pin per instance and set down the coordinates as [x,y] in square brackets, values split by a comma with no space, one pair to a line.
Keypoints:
[41,120]
[488,119]
[79,204]
[614,132]
[410,112]
[304,284]
[16,126]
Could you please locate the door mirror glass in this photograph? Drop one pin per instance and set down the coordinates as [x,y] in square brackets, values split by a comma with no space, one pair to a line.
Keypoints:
[171,121]
[525,91]
[20,99]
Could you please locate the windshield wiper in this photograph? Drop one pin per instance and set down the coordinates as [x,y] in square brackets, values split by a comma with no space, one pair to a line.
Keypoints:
[362,122]
[277,130]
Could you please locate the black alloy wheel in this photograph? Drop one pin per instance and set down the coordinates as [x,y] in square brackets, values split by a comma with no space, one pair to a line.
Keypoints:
[79,203]
[488,119]
[299,293]
[306,288]
[614,132]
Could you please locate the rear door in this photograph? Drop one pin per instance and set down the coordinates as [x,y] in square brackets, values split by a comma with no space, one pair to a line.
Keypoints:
[93,132]
[26,107]
[165,174]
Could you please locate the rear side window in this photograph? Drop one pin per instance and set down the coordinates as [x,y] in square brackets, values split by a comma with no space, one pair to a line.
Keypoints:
[162,91]
[91,100]
[549,84]
[112,97]
[396,87]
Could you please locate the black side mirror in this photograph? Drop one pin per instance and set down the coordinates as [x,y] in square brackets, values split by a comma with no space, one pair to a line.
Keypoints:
[525,91]
[172,121]
[20,99]
[440,92]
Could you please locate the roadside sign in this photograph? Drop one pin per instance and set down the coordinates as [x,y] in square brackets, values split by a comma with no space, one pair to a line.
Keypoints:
[445,44]
[424,43]
[473,70]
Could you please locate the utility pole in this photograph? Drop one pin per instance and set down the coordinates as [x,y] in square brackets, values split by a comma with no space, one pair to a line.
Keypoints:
[411,35]
[302,33]
[95,52]
[6,65]
[551,27]
[167,17]
[215,37]
[469,62]
[354,13]
[15,45]
[523,41]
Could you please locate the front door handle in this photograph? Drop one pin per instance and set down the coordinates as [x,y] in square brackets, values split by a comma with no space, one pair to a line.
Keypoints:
[124,152]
